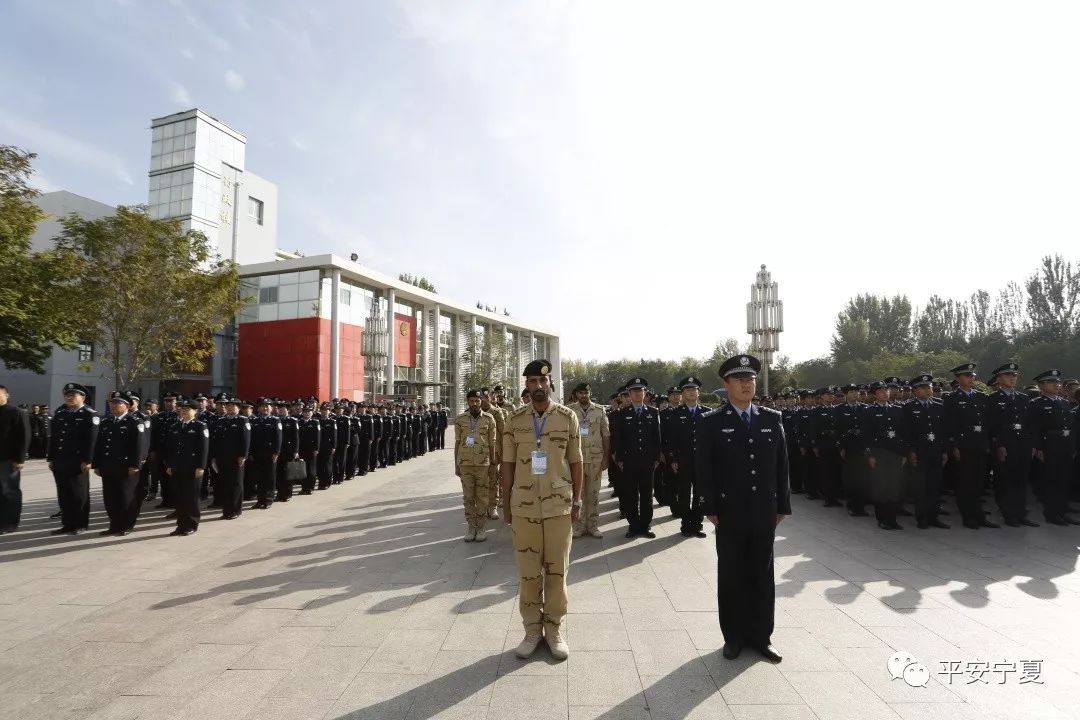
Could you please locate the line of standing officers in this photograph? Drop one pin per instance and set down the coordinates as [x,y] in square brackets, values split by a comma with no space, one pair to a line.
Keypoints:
[888,451]
[236,451]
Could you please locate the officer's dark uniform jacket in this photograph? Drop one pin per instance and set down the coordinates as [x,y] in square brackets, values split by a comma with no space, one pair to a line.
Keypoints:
[230,439]
[849,427]
[924,429]
[966,421]
[328,434]
[159,429]
[120,443]
[681,438]
[188,446]
[636,438]
[290,437]
[823,430]
[1006,421]
[74,435]
[1051,425]
[742,474]
[265,437]
[310,431]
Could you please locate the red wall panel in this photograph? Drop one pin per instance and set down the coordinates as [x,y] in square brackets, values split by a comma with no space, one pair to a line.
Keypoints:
[291,358]
[404,341]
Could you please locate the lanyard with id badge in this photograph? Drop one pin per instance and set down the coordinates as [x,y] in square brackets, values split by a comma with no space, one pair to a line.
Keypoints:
[539,457]
[470,439]
[583,430]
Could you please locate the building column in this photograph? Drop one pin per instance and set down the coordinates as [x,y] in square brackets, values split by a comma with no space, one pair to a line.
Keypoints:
[425,348]
[556,368]
[436,361]
[335,333]
[391,341]
[472,339]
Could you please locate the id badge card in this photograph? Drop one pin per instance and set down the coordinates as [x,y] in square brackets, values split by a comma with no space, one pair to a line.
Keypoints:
[584,431]
[470,440]
[539,462]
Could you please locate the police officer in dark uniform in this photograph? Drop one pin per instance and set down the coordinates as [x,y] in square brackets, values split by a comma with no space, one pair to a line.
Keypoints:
[327,444]
[290,447]
[364,438]
[744,490]
[807,463]
[229,446]
[186,459]
[966,425]
[853,470]
[265,448]
[118,456]
[354,440]
[341,452]
[310,439]
[137,409]
[159,432]
[664,481]
[71,452]
[825,444]
[1010,445]
[385,431]
[375,453]
[924,419]
[1052,425]
[636,447]
[886,453]
[681,441]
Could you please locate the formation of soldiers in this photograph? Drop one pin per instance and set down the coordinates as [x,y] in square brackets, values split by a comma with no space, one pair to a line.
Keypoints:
[892,443]
[223,449]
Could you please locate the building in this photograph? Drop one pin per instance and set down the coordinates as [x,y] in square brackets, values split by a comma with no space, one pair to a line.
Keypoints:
[330,327]
[319,325]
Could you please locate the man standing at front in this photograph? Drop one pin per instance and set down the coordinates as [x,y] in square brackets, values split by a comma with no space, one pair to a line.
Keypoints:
[475,436]
[541,490]
[742,474]
[636,447]
[595,447]
[71,450]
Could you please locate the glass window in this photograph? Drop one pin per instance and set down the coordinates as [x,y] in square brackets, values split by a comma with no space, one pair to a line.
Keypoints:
[308,290]
[346,297]
[158,132]
[269,280]
[287,278]
[268,295]
[86,351]
[255,210]
[169,130]
[268,312]
[287,293]
[288,310]
[308,276]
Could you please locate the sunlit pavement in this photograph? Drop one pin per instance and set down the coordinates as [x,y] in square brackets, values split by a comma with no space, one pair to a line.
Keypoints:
[363,602]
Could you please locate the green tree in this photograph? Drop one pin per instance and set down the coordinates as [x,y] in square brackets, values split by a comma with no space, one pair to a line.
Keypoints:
[1053,298]
[421,282]
[871,324]
[486,359]
[38,304]
[154,294]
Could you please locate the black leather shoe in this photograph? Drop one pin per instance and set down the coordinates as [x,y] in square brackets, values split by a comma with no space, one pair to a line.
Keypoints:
[56,514]
[1071,521]
[895,526]
[631,534]
[700,534]
[732,650]
[305,492]
[832,503]
[103,533]
[922,525]
[1029,523]
[858,513]
[972,526]
[989,524]
[1012,523]
[175,533]
[1057,521]
[902,512]
[649,534]
[885,526]
[770,653]
[259,506]
[64,531]
[939,524]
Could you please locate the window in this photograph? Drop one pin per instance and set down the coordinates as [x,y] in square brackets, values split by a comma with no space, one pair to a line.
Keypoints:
[255,210]
[346,296]
[86,351]
[268,295]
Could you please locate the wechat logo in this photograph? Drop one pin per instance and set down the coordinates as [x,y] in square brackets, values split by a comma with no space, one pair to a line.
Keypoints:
[903,665]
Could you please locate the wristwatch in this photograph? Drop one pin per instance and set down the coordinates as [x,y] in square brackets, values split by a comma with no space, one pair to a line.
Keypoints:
[577,503]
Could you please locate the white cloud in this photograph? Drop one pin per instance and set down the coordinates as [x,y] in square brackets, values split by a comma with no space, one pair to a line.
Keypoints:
[45,141]
[180,95]
[234,80]
[187,54]
[298,144]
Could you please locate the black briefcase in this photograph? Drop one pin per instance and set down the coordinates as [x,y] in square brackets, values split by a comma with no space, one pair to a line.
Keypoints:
[296,471]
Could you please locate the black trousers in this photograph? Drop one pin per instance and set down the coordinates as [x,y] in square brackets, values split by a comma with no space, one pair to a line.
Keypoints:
[284,485]
[118,490]
[341,459]
[795,467]
[636,495]
[325,469]
[969,478]
[186,498]
[144,479]
[926,486]
[350,463]
[685,503]
[1010,482]
[746,588]
[854,472]
[809,473]
[160,479]
[229,492]
[309,481]
[1056,469]
[264,476]
[828,473]
[73,490]
[10,495]
[363,456]
[373,455]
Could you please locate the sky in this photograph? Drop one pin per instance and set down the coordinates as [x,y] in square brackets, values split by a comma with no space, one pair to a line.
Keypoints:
[616,171]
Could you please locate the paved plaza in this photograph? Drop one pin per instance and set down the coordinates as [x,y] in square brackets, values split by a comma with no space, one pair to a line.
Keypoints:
[362,602]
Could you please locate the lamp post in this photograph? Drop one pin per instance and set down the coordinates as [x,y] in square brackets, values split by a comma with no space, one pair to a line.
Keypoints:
[764,320]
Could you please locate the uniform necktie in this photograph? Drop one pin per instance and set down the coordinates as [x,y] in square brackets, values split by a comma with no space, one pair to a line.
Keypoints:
[746,418]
